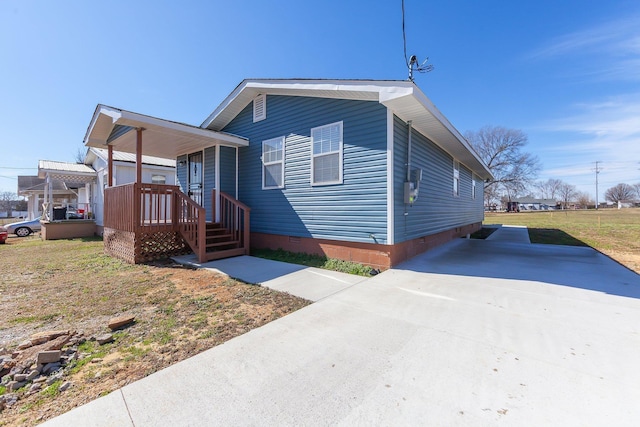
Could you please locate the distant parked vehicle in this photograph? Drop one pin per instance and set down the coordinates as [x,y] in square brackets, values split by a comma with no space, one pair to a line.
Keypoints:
[23,228]
[3,235]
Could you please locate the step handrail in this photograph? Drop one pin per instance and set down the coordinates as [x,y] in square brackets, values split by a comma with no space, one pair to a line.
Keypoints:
[235,217]
[191,224]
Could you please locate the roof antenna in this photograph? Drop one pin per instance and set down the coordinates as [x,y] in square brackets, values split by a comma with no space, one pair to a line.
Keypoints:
[412,63]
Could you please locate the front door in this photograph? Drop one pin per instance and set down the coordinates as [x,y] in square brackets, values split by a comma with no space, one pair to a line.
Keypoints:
[195,177]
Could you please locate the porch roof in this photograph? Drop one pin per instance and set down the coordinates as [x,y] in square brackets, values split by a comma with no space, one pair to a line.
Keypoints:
[402,97]
[68,172]
[28,184]
[161,138]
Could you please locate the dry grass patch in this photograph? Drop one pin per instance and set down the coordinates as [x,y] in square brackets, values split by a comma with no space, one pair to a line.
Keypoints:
[72,285]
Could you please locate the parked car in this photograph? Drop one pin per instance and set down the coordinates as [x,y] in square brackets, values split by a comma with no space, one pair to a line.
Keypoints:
[23,228]
[3,235]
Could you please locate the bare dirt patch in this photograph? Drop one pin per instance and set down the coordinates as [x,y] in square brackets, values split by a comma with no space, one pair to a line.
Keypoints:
[72,285]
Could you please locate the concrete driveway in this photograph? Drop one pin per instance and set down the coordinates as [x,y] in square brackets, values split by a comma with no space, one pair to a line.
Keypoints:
[472,333]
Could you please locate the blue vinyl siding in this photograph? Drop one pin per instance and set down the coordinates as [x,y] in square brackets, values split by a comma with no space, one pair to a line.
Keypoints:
[209,179]
[228,170]
[437,209]
[351,211]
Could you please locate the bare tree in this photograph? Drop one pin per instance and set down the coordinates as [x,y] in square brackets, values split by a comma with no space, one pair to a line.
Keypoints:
[567,193]
[620,193]
[7,201]
[584,199]
[637,188]
[80,154]
[548,189]
[501,150]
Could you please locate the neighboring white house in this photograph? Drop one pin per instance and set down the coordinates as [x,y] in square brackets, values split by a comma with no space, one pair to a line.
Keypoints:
[78,189]
[155,170]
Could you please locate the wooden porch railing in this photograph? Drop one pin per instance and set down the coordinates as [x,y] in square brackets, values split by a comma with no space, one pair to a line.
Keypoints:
[235,218]
[156,208]
[191,223]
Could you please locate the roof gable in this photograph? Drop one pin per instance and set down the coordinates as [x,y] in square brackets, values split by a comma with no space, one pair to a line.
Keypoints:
[403,98]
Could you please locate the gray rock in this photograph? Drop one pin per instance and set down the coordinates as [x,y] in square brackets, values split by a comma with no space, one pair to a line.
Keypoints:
[10,399]
[65,386]
[40,379]
[20,377]
[15,385]
[104,339]
[49,356]
[51,367]
[32,375]
[52,379]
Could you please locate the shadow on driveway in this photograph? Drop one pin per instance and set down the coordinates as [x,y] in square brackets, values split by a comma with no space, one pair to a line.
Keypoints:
[578,267]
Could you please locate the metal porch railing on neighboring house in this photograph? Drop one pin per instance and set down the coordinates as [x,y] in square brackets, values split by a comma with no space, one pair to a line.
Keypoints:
[68,211]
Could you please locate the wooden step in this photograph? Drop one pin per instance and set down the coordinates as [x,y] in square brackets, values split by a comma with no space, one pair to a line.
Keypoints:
[221,244]
[226,237]
[225,253]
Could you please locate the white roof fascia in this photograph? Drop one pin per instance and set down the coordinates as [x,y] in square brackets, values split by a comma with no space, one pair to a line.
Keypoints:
[128,118]
[387,92]
[369,90]
[426,102]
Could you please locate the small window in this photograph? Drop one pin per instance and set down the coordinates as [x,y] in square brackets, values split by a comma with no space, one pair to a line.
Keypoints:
[326,154]
[473,187]
[259,108]
[456,178]
[273,163]
[158,179]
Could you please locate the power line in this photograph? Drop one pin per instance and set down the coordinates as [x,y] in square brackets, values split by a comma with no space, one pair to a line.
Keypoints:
[8,167]
[412,63]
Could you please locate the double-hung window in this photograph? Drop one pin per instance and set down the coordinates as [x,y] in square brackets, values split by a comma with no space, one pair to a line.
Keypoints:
[456,178]
[158,179]
[473,187]
[273,163]
[326,154]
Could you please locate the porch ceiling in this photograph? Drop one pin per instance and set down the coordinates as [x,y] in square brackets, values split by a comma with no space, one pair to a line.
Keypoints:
[160,138]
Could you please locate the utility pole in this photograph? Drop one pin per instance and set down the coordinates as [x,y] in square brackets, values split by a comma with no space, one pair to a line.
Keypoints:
[597,172]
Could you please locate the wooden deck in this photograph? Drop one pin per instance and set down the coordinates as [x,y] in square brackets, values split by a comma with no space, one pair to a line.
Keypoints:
[143,222]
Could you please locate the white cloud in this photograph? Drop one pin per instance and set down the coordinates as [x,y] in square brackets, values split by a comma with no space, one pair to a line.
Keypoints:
[606,130]
[610,51]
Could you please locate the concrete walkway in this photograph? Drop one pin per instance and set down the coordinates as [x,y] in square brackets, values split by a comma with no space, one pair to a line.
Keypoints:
[475,332]
[309,283]
[509,233]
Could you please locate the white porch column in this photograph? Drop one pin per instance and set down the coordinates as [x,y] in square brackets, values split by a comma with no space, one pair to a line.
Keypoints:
[49,196]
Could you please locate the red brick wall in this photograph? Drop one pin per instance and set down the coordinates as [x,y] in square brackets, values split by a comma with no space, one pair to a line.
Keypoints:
[374,255]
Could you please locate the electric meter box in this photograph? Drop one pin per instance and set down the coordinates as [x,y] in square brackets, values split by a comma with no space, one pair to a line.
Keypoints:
[410,192]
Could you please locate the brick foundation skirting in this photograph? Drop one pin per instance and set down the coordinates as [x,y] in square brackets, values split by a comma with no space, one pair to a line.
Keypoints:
[374,255]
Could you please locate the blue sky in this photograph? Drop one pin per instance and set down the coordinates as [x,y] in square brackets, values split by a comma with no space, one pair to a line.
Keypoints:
[567,73]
